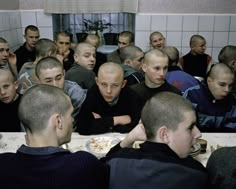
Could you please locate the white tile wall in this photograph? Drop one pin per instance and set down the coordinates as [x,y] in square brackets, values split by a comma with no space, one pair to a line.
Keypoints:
[218,30]
[143,23]
[174,38]
[190,23]
[13,23]
[222,23]
[206,23]
[43,19]
[158,23]
[220,39]
[174,23]
[28,18]
[233,23]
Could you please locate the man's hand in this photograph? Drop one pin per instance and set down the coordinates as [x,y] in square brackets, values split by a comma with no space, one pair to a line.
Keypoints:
[12,59]
[122,120]
[137,134]
[96,116]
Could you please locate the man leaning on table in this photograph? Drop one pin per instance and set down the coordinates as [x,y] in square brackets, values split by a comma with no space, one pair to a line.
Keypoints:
[110,106]
[163,160]
[43,163]
[213,100]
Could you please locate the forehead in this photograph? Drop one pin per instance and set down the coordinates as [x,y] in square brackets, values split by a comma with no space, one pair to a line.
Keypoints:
[32,33]
[5,76]
[155,60]
[4,45]
[50,72]
[124,39]
[63,38]
[226,78]
[110,77]
[157,36]
[85,49]
[199,42]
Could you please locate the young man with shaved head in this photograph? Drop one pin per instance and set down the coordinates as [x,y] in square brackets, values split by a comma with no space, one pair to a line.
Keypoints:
[213,100]
[162,161]
[63,43]
[132,61]
[125,39]
[82,70]
[155,67]
[9,102]
[94,40]
[46,114]
[227,56]
[109,105]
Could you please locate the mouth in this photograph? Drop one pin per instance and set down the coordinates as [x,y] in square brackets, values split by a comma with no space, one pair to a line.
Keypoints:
[5,99]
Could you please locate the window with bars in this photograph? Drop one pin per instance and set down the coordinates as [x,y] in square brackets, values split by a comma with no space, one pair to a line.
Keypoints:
[74,23]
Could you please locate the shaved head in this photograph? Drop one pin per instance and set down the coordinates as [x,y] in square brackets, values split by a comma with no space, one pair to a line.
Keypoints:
[172,53]
[154,52]
[111,68]
[81,46]
[218,69]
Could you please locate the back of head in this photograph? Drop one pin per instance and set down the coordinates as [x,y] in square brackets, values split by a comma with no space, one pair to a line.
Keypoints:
[39,103]
[221,167]
[164,109]
[129,35]
[47,63]
[45,46]
[129,52]
[194,40]
[93,39]
[31,28]
[227,54]
[173,55]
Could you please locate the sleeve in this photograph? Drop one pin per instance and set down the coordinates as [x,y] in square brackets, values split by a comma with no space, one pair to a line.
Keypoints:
[87,124]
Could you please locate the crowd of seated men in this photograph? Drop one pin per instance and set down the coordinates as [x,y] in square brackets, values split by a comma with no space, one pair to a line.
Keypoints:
[49,89]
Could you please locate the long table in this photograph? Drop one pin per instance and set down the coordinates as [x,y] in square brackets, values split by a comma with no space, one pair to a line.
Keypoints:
[10,142]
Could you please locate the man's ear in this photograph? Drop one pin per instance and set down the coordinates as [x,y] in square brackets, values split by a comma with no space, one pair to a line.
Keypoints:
[144,67]
[163,134]
[127,62]
[96,80]
[16,84]
[124,83]
[208,80]
[57,120]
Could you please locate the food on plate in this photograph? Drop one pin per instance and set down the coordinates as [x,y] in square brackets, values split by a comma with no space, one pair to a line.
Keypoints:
[101,144]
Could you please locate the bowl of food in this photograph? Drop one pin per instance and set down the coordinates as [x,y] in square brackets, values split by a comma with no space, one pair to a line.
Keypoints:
[195,150]
[100,146]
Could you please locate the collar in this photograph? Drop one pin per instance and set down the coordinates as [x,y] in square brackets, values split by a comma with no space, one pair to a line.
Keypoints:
[174,68]
[41,150]
[157,147]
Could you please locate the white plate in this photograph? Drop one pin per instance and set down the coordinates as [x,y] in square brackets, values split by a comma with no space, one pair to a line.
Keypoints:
[99,146]
[196,148]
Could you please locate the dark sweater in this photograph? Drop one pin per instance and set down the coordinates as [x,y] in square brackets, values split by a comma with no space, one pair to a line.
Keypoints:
[52,168]
[128,104]
[153,166]
[23,55]
[9,116]
[195,65]
[144,92]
